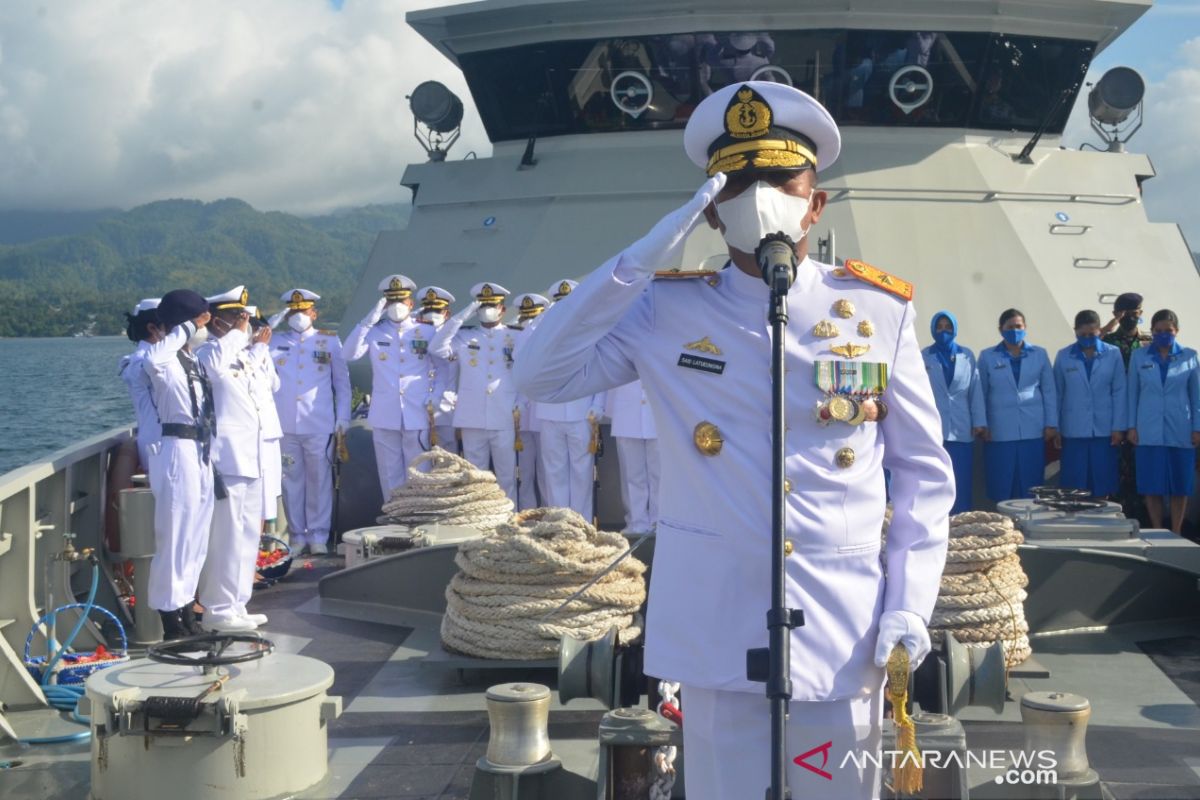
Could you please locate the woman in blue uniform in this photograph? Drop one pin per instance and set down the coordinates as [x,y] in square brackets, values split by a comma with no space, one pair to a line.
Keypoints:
[955,380]
[1092,408]
[1022,410]
[1164,412]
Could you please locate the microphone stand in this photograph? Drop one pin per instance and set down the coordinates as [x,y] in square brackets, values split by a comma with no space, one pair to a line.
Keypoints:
[776,256]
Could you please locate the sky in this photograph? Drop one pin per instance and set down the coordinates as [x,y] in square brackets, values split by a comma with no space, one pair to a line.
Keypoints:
[299,105]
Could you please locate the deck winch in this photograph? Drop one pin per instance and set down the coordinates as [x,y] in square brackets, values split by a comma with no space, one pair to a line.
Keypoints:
[213,716]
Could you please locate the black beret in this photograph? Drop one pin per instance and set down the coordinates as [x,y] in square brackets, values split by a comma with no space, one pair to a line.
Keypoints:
[180,305]
[1127,302]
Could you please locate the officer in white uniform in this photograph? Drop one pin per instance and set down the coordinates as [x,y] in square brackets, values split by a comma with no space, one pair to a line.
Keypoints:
[313,401]
[403,381]
[228,575]
[435,303]
[263,385]
[531,481]
[182,470]
[637,452]
[568,459]
[142,328]
[858,402]
[486,398]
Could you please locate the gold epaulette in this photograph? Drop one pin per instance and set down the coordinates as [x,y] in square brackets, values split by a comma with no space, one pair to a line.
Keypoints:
[325,332]
[710,276]
[880,279]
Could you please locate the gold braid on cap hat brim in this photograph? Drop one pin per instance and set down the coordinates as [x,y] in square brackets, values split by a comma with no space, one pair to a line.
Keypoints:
[229,305]
[767,154]
[300,305]
[397,294]
[435,305]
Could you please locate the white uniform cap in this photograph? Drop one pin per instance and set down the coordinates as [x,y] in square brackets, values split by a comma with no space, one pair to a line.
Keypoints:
[489,293]
[434,297]
[237,297]
[561,289]
[397,287]
[299,299]
[147,304]
[760,125]
[531,304]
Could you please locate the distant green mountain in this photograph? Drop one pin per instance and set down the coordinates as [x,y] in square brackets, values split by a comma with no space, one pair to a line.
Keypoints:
[87,280]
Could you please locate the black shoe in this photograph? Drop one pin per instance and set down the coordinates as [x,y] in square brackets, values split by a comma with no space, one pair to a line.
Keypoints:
[190,623]
[172,624]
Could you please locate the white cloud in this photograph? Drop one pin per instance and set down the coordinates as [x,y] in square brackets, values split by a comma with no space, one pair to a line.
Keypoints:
[288,104]
[1168,137]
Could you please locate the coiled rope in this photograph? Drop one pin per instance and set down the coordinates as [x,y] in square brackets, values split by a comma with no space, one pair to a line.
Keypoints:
[452,492]
[982,591]
[503,602]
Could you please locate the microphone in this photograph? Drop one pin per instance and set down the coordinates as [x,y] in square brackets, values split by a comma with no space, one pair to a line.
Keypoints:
[776,256]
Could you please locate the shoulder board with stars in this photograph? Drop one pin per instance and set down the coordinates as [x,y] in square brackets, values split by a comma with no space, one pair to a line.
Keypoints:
[710,276]
[324,332]
[515,327]
[878,278]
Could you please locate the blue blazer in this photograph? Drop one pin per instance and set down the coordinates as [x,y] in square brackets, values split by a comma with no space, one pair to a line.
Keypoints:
[1018,412]
[961,403]
[1091,406]
[1164,413]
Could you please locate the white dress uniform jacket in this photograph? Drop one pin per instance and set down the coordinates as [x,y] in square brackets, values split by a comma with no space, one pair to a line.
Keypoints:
[314,384]
[711,582]
[403,375]
[531,479]
[149,430]
[486,395]
[264,383]
[637,450]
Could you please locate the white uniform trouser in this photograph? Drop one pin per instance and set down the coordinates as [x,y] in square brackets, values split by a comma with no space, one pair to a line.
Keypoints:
[272,477]
[495,448]
[727,746]
[183,506]
[308,485]
[568,465]
[228,576]
[639,482]
[146,447]
[394,453]
[530,479]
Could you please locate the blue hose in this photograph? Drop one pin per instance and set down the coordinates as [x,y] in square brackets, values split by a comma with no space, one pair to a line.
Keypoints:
[66,698]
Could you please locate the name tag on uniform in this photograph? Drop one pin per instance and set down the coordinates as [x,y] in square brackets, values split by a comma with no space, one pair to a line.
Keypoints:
[384,344]
[473,346]
[701,363]
[1072,369]
[322,357]
[1148,365]
[283,348]
[1000,365]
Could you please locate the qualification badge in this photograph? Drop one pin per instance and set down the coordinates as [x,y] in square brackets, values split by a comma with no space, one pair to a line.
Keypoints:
[866,329]
[844,309]
[825,330]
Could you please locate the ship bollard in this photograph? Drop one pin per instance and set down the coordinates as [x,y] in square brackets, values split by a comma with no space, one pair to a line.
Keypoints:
[519,764]
[629,738]
[1055,728]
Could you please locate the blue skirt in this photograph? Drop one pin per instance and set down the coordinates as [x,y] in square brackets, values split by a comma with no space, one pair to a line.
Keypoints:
[1089,463]
[1163,470]
[1013,468]
[962,456]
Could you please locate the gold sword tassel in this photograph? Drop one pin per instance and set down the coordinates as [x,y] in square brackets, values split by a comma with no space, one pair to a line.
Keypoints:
[518,445]
[907,776]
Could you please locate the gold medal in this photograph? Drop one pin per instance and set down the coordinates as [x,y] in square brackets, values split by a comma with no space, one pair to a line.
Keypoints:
[707,438]
[825,330]
[841,408]
[860,415]
[845,458]
[866,329]
[844,309]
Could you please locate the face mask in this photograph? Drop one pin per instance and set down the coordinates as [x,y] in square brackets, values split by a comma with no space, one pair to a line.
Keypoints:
[198,338]
[1164,339]
[397,312]
[489,314]
[1128,323]
[759,210]
[299,322]
[436,318]
[1013,336]
[1087,342]
[944,338]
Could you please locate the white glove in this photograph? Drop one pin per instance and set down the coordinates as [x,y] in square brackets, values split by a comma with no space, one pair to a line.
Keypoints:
[375,314]
[658,248]
[902,626]
[277,318]
[448,402]
[467,313]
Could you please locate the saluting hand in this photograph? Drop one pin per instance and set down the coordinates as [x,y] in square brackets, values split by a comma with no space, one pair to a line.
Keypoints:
[660,248]
[262,335]
[202,320]
[376,312]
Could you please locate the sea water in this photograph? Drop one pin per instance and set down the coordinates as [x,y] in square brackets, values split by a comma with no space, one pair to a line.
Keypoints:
[56,392]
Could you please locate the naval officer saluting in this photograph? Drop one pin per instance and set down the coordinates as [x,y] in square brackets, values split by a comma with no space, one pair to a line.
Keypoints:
[403,379]
[435,302]
[313,400]
[143,328]
[531,479]
[486,397]
[858,401]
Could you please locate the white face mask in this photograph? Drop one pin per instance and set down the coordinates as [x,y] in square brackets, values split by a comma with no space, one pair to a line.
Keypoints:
[489,314]
[198,338]
[397,312]
[299,322]
[759,210]
[435,317]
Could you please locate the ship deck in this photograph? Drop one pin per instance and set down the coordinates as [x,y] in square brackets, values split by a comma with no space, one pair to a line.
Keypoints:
[414,728]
